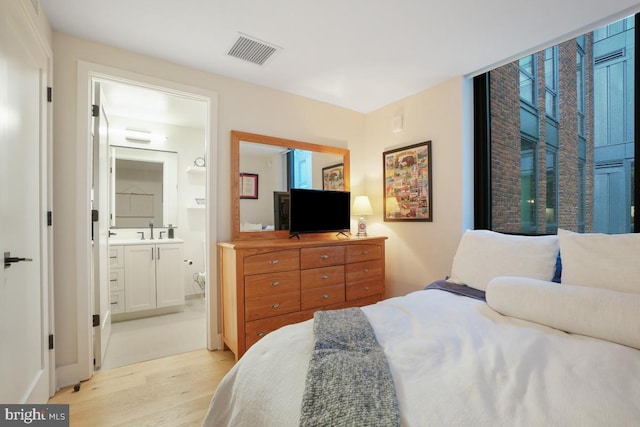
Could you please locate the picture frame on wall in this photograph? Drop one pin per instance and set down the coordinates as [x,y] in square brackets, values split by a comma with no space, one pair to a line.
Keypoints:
[248,185]
[407,183]
[333,177]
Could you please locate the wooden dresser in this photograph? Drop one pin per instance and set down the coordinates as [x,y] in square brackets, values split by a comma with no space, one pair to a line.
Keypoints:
[267,284]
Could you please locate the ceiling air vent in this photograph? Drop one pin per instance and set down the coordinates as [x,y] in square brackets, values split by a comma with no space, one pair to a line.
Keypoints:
[252,50]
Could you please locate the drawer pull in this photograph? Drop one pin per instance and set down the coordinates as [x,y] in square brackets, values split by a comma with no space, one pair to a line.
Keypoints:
[324,256]
[114,303]
[114,257]
[275,305]
[325,296]
[273,261]
[366,288]
[276,283]
[261,334]
[324,277]
[113,280]
[364,253]
[366,270]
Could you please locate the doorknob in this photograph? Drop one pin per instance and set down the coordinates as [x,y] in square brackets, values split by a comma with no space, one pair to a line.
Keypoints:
[8,259]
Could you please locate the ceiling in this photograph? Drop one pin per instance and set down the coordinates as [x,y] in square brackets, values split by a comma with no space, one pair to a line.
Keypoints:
[358,54]
[141,108]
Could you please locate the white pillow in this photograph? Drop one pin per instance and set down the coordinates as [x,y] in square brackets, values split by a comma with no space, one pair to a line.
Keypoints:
[609,261]
[600,313]
[483,255]
[248,226]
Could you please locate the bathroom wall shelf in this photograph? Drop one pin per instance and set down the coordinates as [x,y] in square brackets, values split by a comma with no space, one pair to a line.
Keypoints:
[196,169]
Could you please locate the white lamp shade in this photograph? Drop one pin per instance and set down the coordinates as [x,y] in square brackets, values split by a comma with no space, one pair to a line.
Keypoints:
[361,206]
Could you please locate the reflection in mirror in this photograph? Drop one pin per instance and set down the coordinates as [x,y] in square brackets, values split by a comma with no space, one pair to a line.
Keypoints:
[138,193]
[144,188]
[278,169]
[279,165]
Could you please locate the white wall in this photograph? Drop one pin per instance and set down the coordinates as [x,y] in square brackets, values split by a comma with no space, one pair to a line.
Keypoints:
[260,210]
[241,106]
[420,252]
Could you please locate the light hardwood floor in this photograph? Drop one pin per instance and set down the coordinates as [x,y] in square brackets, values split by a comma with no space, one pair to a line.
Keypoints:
[171,391]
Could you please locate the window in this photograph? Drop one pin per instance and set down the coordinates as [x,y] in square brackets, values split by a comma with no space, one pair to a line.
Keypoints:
[564,157]
[580,86]
[551,195]
[301,168]
[528,79]
[551,81]
[528,187]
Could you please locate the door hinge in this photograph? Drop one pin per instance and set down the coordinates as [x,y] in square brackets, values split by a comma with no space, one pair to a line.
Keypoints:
[95,110]
[94,215]
[49,94]
[49,218]
[50,341]
[96,320]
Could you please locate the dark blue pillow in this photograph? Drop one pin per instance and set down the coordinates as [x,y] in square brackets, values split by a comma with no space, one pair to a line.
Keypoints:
[557,274]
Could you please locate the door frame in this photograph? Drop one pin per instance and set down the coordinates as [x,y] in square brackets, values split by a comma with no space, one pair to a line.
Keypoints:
[87,71]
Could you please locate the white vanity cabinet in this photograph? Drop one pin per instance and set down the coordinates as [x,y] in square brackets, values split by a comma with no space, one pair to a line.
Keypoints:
[152,275]
[116,278]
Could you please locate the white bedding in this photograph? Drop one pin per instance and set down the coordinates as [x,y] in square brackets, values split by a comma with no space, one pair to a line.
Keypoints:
[455,362]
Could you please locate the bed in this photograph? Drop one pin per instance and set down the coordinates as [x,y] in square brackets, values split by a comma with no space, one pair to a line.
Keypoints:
[506,340]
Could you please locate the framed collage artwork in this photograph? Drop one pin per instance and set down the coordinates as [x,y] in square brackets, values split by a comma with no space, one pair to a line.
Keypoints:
[333,177]
[407,183]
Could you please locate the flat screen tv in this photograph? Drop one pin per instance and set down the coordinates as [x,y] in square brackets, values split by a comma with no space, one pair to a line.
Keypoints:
[319,211]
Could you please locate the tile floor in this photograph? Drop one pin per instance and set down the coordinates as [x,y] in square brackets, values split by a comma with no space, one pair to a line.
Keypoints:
[138,340]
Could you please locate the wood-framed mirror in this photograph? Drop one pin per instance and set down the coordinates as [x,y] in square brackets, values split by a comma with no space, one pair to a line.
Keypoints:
[263,168]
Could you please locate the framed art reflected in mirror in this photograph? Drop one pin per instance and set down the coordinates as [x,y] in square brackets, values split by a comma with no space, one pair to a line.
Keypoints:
[248,185]
[333,177]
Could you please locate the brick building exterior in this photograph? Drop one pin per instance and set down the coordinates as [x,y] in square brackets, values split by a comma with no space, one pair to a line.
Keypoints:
[560,185]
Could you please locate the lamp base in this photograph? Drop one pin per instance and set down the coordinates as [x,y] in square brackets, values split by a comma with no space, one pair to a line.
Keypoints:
[362,227]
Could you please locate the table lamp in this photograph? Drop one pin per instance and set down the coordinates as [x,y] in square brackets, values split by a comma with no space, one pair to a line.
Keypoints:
[362,207]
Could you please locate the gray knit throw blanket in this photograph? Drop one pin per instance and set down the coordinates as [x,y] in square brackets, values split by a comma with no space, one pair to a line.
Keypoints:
[348,382]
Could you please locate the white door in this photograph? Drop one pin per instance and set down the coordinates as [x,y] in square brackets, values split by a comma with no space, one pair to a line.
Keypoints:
[169,279]
[24,302]
[139,277]
[100,202]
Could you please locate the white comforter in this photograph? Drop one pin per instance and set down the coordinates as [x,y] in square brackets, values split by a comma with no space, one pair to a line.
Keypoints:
[455,362]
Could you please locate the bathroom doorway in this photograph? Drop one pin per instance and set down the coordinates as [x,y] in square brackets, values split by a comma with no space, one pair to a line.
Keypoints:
[167,121]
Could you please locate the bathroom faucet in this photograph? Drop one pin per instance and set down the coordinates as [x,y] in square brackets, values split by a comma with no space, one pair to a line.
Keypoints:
[151,225]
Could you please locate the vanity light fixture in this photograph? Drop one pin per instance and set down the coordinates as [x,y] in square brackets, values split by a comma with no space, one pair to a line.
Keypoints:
[137,135]
[362,207]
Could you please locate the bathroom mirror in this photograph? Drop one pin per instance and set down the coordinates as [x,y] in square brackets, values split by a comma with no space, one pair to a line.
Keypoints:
[273,161]
[144,187]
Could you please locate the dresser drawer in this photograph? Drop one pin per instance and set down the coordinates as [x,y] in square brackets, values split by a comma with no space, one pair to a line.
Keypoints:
[369,270]
[261,285]
[319,277]
[271,305]
[364,289]
[319,297]
[321,256]
[363,252]
[259,328]
[116,279]
[272,262]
